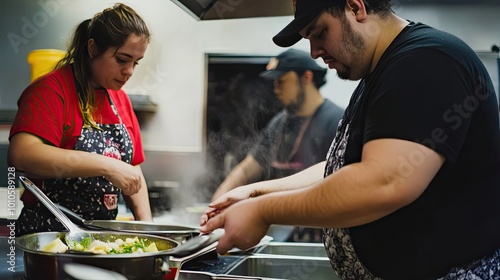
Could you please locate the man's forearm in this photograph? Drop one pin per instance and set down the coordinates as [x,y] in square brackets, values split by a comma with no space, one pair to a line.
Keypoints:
[235,179]
[246,172]
[302,179]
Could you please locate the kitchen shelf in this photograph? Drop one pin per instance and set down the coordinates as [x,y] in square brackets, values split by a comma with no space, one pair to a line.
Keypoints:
[143,103]
[7,116]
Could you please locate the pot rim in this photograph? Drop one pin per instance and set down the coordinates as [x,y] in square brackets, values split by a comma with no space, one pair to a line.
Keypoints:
[163,253]
[160,228]
[189,248]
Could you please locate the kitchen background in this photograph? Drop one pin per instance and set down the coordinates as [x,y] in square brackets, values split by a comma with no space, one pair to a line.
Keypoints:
[186,150]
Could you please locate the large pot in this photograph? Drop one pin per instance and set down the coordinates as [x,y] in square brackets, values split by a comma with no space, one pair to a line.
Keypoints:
[164,264]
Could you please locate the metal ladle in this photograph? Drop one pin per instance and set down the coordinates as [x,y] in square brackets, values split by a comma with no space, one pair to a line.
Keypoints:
[75,234]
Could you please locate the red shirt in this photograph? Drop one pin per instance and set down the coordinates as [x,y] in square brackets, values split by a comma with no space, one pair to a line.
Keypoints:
[48,108]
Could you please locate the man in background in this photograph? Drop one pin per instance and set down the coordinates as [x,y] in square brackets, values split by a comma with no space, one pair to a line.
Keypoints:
[297,137]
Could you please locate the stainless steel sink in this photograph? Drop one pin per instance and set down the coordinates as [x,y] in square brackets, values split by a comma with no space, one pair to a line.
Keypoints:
[284,267]
[294,249]
[199,275]
[273,261]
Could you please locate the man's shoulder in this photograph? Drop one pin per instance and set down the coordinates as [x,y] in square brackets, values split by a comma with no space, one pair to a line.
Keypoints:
[327,117]
[329,109]
[329,104]
[278,116]
[277,119]
[419,37]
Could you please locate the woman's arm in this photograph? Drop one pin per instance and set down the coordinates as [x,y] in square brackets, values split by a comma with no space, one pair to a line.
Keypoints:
[139,202]
[30,154]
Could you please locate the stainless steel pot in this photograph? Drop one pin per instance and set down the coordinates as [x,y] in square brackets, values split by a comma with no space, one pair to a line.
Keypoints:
[164,264]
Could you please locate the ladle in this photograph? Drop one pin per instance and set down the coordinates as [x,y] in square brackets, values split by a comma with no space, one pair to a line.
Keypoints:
[75,234]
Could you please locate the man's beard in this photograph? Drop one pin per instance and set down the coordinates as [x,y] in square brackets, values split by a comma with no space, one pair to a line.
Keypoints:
[296,105]
[352,42]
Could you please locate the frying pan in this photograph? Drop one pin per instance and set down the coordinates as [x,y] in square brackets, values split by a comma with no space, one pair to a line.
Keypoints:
[164,264]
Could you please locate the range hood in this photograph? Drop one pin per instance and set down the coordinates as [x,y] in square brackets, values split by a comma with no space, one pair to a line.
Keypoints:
[230,9]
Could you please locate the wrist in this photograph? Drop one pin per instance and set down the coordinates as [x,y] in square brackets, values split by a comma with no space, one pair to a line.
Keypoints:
[105,165]
[257,189]
[261,206]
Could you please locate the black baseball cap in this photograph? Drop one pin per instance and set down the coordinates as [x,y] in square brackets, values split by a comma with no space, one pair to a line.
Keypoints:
[305,12]
[291,60]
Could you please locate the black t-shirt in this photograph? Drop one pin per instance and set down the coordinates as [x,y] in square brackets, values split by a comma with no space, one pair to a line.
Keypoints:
[429,87]
[277,140]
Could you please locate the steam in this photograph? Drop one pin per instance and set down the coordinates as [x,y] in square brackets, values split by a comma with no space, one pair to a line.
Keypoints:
[239,105]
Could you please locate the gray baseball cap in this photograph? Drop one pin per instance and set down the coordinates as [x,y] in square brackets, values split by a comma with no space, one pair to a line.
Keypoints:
[291,60]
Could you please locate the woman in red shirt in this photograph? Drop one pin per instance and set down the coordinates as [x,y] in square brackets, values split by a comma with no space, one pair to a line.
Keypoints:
[75,129]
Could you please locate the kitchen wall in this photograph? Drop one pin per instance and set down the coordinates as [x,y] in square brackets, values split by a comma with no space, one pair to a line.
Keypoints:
[173,71]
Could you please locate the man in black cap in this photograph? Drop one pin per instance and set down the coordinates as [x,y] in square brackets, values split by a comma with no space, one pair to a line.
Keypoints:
[297,137]
[411,187]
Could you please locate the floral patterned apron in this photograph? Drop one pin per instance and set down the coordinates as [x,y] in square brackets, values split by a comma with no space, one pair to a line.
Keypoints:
[93,198]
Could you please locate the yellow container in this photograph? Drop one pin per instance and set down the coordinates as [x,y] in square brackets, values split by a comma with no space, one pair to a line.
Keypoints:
[42,61]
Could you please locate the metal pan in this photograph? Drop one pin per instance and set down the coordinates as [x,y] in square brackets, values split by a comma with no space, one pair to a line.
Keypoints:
[164,264]
[178,233]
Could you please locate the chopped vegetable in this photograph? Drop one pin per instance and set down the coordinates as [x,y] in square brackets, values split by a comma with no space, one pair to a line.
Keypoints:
[55,246]
[119,246]
[151,248]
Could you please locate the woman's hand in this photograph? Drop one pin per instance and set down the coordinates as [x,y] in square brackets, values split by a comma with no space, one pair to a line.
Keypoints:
[125,176]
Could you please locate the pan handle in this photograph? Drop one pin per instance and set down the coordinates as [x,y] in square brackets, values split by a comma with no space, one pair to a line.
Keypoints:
[72,215]
[42,197]
[79,220]
[195,244]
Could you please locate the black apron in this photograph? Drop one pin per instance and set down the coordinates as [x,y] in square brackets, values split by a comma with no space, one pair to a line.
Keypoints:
[93,198]
[287,163]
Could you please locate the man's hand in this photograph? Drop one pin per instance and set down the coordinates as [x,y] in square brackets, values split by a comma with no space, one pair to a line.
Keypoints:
[243,223]
[225,201]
